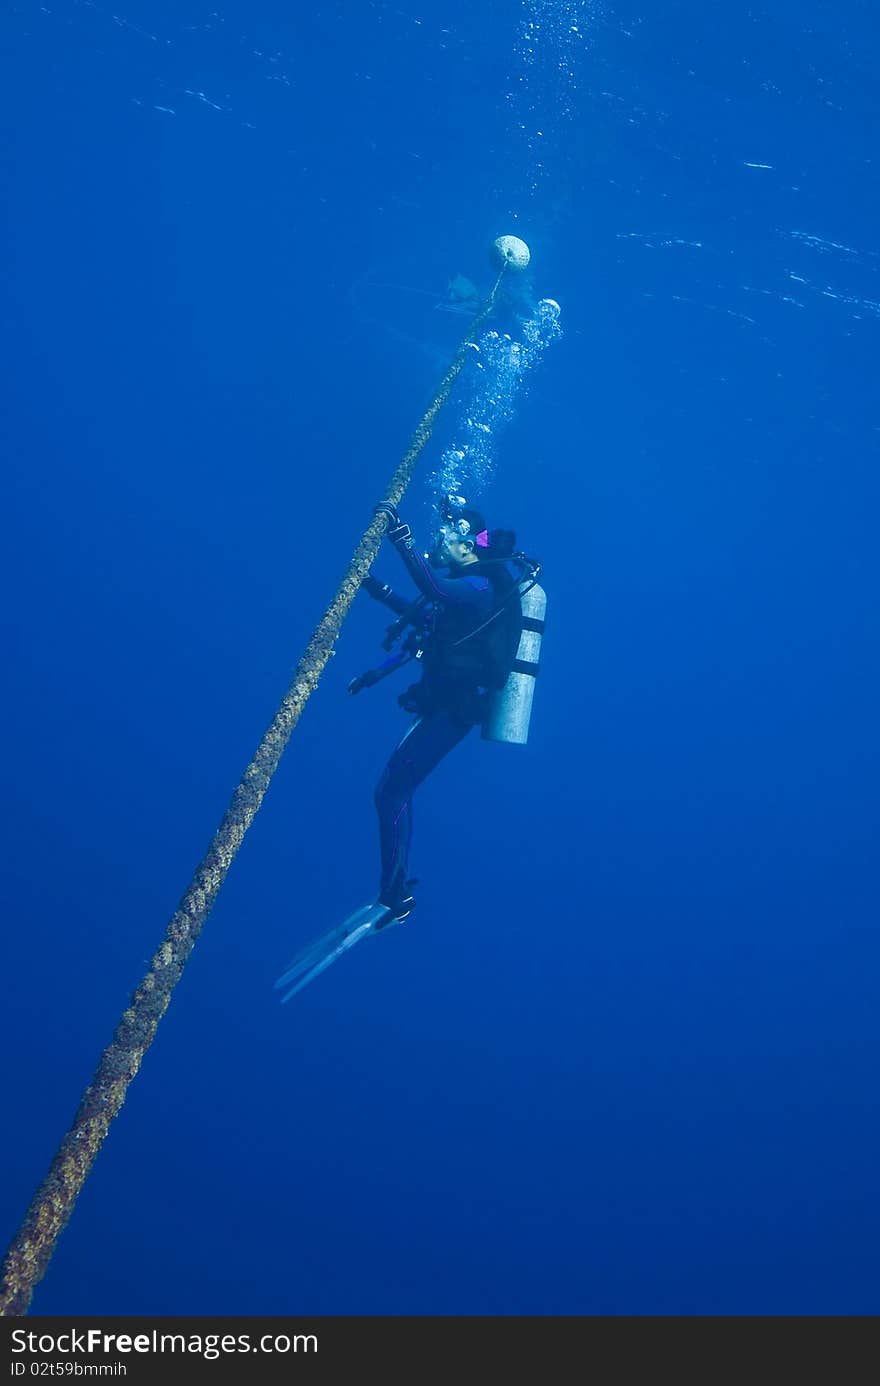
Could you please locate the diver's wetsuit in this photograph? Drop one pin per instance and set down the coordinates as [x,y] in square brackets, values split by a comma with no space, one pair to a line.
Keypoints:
[449,699]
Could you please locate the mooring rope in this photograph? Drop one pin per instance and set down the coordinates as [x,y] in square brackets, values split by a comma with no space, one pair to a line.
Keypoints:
[50,1210]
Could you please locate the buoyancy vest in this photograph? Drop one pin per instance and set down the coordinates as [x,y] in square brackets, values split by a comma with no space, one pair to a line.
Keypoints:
[466,651]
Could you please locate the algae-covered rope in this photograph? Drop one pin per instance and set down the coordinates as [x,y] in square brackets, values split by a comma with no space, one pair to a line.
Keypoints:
[32,1248]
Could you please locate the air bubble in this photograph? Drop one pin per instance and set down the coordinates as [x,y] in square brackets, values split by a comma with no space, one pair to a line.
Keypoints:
[469,464]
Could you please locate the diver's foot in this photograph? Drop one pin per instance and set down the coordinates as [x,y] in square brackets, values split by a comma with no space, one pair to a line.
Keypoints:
[399,908]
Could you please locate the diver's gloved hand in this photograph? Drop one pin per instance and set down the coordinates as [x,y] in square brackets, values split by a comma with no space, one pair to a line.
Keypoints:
[376,589]
[397,531]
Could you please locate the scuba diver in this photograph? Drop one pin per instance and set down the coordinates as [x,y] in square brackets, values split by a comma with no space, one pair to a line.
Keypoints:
[464,630]
[468,629]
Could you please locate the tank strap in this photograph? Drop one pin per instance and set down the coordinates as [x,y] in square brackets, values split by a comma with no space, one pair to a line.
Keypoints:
[526,666]
[531,623]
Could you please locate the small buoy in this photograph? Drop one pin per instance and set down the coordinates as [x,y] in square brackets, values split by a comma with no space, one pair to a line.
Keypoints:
[510,250]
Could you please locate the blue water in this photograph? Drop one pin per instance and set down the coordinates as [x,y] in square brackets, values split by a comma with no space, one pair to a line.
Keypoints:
[623,1058]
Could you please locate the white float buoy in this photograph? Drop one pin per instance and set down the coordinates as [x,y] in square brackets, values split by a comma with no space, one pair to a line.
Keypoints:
[510,250]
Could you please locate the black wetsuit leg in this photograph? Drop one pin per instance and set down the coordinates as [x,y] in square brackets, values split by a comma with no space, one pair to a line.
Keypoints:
[423,747]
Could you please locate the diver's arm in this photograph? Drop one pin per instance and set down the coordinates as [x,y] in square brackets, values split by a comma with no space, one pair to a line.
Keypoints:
[449,591]
[382,592]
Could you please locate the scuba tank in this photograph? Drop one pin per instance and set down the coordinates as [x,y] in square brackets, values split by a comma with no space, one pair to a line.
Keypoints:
[510,708]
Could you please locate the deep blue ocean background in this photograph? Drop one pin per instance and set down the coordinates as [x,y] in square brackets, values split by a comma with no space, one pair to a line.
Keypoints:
[623,1059]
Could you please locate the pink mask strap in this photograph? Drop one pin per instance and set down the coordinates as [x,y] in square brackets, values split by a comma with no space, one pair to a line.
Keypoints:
[483,539]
